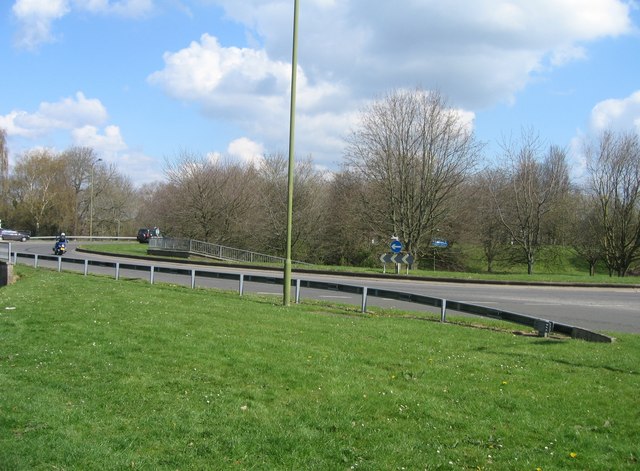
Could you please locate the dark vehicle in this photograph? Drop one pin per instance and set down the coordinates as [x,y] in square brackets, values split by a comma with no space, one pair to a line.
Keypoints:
[10,234]
[60,248]
[143,236]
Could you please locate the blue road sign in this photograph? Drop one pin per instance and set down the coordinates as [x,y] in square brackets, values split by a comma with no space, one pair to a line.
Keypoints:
[396,246]
[439,243]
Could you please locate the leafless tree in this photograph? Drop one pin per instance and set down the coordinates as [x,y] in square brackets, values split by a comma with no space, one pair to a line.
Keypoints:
[205,199]
[346,236]
[79,162]
[484,226]
[114,201]
[270,219]
[4,160]
[532,185]
[413,152]
[36,189]
[614,169]
[586,233]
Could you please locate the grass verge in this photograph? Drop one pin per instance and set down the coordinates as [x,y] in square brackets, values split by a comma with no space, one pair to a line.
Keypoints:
[104,374]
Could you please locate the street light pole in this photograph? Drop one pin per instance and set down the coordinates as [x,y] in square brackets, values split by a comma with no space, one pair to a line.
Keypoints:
[292,114]
[91,201]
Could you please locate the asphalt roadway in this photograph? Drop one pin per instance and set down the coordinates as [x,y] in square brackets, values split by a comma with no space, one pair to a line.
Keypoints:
[602,309]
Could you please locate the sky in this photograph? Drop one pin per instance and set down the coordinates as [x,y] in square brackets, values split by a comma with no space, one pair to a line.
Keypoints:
[143,82]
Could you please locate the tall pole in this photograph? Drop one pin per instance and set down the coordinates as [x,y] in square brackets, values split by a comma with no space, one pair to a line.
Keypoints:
[286,298]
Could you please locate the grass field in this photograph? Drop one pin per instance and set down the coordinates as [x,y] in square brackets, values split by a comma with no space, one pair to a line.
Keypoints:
[103,374]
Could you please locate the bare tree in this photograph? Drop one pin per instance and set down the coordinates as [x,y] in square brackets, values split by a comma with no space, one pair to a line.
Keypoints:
[36,190]
[413,152]
[586,231]
[204,199]
[346,237]
[484,226]
[114,201]
[533,184]
[614,168]
[4,174]
[270,219]
[79,162]
[4,160]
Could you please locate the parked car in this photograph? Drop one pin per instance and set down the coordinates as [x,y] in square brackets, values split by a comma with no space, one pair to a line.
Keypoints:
[144,235]
[10,234]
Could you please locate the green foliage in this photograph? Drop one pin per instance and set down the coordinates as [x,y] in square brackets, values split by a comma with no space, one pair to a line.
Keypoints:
[104,374]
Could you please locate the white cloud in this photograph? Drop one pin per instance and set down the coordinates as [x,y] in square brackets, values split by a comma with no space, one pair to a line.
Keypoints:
[126,8]
[476,53]
[617,114]
[246,150]
[82,120]
[139,167]
[110,141]
[36,17]
[241,84]
[65,114]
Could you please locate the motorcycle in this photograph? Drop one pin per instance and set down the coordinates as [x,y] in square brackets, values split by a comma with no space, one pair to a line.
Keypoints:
[60,248]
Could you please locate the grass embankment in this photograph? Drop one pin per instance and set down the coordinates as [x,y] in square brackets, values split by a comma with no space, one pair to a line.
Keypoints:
[104,374]
[555,266]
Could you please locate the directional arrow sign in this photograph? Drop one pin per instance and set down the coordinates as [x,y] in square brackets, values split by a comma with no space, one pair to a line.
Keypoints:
[439,243]
[400,258]
[396,246]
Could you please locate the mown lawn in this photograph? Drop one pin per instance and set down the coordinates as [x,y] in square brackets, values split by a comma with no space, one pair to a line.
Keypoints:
[104,374]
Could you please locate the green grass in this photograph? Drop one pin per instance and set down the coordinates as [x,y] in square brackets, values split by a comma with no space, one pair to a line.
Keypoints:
[124,248]
[104,374]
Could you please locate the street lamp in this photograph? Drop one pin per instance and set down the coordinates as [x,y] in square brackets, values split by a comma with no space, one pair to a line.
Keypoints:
[91,201]
[286,295]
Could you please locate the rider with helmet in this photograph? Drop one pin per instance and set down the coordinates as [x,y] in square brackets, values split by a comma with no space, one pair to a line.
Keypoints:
[61,244]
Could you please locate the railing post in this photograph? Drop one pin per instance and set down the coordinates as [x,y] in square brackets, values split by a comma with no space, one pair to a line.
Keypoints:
[443,311]
[363,306]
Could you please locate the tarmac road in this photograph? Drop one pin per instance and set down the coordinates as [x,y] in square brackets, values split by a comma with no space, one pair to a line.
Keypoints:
[603,309]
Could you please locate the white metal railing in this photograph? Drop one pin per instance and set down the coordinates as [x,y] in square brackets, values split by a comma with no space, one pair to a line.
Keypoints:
[220,252]
[5,252]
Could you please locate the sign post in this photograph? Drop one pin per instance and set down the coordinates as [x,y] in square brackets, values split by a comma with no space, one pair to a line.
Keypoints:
[396,247]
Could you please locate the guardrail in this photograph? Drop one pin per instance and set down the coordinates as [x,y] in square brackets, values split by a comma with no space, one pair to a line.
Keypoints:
[217,251]
[544,327]
[5,252]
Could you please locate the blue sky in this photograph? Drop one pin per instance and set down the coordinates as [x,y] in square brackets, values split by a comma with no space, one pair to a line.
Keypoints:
[142,81]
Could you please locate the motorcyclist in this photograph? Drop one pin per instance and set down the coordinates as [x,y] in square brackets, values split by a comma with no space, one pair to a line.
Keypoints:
[61,242]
